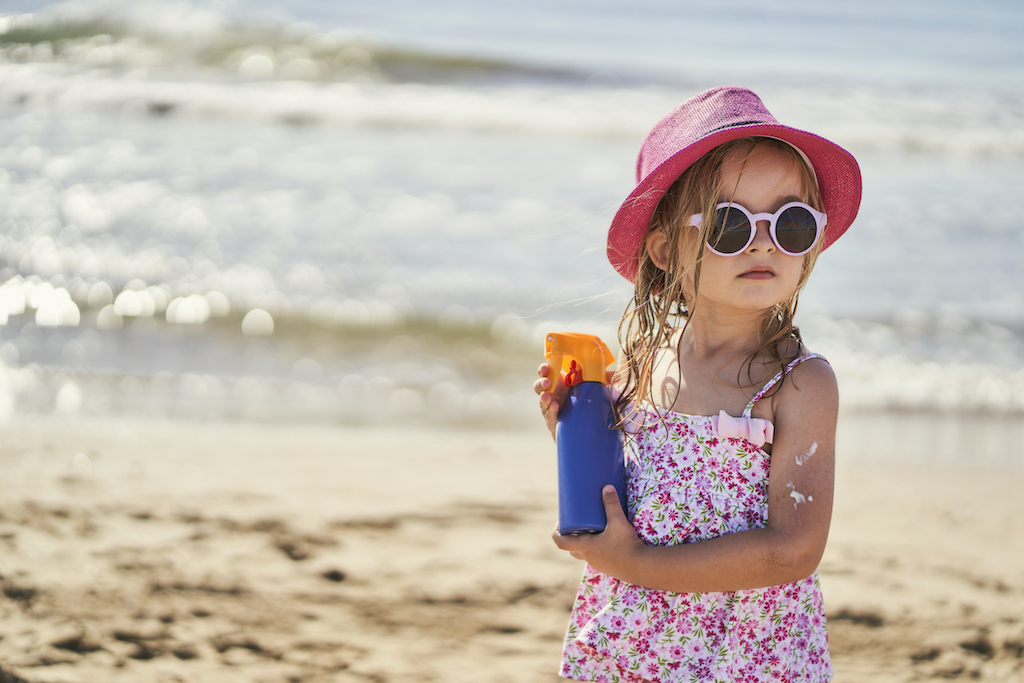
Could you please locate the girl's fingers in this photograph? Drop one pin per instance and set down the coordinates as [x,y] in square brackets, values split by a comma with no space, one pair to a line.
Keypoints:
[570,544]
[549,409]
[551,414]
[546,389]
[544,382]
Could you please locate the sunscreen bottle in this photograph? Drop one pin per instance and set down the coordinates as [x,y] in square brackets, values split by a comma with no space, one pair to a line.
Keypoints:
[589,449]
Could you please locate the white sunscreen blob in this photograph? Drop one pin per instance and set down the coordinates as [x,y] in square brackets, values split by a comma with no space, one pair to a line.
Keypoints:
[801,459]
[797,496]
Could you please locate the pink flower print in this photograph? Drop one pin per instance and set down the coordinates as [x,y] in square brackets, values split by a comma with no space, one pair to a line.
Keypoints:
[566,669]
[773,660]
[707,623]
[618,622]
[676,652]
[601,678]
[652,669]
[629,597]
[788,619]
[614,635]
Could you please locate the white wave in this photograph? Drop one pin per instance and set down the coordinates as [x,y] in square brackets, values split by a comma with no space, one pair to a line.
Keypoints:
[982,123]
[408,105]
[938,364]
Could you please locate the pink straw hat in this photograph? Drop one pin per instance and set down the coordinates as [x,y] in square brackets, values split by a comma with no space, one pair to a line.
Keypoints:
[697,126]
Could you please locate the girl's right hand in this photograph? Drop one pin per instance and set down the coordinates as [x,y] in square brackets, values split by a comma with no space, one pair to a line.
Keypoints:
[552,393]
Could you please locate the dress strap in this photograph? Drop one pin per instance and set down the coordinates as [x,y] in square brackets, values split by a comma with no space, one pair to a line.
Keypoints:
[775,380]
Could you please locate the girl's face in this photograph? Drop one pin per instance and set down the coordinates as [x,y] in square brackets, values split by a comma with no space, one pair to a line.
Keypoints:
[756,279]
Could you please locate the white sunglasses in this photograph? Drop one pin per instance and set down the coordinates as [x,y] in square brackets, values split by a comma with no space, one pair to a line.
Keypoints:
[794,228]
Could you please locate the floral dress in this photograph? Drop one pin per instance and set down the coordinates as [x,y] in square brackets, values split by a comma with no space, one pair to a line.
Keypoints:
[692,478]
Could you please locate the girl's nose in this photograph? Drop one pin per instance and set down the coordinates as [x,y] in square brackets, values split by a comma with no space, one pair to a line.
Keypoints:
[762,238]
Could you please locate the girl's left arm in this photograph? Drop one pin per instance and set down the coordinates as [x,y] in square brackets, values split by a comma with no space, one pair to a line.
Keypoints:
[789,546]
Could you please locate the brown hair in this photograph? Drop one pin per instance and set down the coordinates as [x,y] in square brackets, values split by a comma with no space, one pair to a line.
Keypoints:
[659,297]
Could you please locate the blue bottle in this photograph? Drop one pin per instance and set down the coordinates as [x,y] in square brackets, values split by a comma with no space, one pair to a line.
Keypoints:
[589,448]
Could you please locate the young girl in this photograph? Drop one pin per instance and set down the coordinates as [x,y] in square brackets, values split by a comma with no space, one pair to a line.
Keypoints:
[729,421]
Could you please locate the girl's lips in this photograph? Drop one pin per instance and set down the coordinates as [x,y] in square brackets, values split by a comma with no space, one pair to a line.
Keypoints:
[758,274]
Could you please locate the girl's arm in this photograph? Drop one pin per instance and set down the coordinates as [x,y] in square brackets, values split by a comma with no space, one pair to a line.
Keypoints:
[788,548]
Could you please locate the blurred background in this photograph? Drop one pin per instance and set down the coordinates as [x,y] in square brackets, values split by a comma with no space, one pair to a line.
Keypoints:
[370,213]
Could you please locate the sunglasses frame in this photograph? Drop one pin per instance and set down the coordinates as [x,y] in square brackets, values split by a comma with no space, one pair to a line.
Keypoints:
[820,220]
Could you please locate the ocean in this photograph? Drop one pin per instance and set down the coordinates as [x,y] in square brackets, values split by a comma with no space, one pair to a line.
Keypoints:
[371,213]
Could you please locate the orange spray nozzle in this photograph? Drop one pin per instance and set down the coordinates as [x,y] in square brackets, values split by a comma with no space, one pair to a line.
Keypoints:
[584,357]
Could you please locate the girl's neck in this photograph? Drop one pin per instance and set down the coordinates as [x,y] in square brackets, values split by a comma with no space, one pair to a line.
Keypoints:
[708,335]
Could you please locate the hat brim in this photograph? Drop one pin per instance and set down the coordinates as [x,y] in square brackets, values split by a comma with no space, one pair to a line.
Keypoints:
[837,173]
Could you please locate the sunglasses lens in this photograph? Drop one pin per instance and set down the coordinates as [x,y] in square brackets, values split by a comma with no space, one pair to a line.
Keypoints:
[796,230]
[730,232]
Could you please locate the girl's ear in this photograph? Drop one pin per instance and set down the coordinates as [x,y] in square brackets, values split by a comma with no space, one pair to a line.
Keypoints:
[657,248]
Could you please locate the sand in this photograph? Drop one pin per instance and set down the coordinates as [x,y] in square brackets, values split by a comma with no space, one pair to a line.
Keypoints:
[160,551]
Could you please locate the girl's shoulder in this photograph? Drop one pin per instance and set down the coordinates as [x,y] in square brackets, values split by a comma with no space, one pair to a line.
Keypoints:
[812,369]
[810,382]
[806,377]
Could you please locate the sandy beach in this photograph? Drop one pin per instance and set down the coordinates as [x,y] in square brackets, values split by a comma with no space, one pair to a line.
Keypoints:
[167,551]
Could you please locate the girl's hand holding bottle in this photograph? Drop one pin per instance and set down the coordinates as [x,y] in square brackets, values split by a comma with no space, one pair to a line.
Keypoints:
[552,393]
[613,551]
